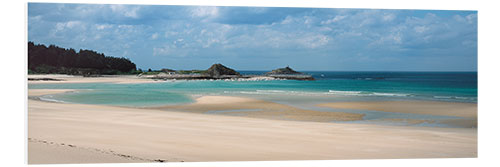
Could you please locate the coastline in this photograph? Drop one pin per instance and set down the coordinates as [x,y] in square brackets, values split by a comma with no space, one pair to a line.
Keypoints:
[62,78]
[136,79]
[180,136]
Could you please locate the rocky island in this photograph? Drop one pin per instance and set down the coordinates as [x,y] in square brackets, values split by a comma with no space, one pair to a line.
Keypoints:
[219,71]
[288,73]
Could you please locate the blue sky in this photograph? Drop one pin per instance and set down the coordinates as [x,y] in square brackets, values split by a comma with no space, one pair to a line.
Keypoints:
[258,38]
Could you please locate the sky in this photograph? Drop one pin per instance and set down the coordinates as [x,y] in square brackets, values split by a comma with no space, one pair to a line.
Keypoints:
[263,38]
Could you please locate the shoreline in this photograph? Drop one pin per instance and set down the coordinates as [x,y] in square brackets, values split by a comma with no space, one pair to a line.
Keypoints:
[136,79]
[62,78]
[434,114]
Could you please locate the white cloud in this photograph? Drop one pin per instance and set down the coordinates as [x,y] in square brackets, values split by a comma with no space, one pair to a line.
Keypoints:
[325,29]
[159,51]
[169,34]
[126,11]
[333,20]
[471,18]
[181,34]
[103,26]
[258,10]
[421,29]
[35,18]
[154,36]
[388,17]
[69,24]
[205,11]
[397,38]
[307,20]
[287,20]
[468,19]
[314,41]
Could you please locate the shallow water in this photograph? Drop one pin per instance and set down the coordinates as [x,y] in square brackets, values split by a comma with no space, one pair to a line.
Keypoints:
[329,87]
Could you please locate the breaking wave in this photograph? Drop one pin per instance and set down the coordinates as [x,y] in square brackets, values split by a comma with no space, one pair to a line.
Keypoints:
[350,93]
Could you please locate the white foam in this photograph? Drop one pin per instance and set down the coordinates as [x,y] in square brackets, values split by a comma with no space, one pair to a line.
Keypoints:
[390,94]
[454,97]
[273,91]
[344,92]
[443,97]
[51,100]
[360,93]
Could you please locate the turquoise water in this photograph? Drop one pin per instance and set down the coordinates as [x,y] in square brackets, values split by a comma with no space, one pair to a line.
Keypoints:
[329,86]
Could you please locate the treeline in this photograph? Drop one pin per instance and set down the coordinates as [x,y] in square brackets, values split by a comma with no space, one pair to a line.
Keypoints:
[53,59]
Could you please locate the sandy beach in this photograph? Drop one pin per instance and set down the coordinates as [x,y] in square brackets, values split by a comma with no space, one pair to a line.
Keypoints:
[122,134]
[61,78]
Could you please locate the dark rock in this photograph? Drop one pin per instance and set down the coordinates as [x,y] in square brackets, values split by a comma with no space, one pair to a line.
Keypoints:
[218,70]
[289,73]
[167,70]
[44,79]
[286,70]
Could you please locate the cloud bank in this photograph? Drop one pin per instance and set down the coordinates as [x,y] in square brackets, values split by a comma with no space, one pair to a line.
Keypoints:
[252,38]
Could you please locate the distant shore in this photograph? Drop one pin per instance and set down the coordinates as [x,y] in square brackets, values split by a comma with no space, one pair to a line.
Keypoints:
[63,78]
[124,79]
[122,134]
[164,76]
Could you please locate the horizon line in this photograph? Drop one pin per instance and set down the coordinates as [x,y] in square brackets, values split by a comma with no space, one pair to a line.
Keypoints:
[365,71]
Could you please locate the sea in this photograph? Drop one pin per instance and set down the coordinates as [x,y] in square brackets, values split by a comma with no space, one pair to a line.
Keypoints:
[328,87]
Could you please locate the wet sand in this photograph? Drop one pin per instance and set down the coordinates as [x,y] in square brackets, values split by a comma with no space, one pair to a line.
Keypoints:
[467,111]
[254,108]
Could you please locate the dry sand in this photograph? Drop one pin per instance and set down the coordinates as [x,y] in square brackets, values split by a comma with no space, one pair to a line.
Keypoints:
[149,134]
[124,79]
[71,154]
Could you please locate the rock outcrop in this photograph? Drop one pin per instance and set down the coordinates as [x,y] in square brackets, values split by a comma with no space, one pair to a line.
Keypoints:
[218,70]
[287,70]
[288,73]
